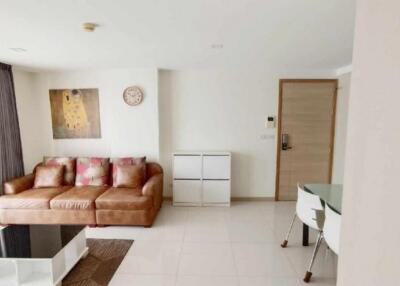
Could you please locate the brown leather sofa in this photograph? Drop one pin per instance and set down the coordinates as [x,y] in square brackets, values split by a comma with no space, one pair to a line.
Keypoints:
[89,205]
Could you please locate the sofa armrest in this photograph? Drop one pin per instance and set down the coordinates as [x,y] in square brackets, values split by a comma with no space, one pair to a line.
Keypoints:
[154,188]
[19,184]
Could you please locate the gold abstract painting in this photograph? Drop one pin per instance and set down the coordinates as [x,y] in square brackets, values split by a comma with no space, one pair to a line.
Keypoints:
[75,113]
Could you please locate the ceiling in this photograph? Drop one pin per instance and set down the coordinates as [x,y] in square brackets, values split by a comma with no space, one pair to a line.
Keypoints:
[178,34]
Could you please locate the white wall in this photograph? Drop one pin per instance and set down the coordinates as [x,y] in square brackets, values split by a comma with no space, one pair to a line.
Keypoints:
[29,115]
[370,253]
[342,106]
[196,110]
[224,110]
[125,130]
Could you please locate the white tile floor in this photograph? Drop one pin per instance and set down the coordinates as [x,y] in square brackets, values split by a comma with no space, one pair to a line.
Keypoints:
[236,246]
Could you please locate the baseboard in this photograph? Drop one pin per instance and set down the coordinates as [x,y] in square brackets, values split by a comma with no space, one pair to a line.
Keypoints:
[252,199]
[239,199]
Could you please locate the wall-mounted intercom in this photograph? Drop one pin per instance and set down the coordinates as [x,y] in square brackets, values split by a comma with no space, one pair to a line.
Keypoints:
[270,123]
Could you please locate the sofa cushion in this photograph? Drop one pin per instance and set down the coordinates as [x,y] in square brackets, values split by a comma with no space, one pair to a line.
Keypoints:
[124,199]
[31,199]
[78,198]
[125,161]
[133,176]
[49,177]
[92,171]
[68,162]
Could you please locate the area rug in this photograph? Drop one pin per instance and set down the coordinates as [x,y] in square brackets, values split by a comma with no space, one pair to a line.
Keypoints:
[97,269]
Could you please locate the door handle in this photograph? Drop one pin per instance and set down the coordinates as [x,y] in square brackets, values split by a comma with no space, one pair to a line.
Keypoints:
[285,142]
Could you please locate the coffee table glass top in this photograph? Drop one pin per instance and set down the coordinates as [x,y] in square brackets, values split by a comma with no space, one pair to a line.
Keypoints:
[35,241]
[329,193]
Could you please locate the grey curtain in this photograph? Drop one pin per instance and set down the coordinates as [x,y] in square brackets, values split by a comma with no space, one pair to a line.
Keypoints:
[11,162]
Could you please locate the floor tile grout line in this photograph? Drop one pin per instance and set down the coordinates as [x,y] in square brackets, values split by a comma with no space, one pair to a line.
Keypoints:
[235,263]
[181,250]
[233,252]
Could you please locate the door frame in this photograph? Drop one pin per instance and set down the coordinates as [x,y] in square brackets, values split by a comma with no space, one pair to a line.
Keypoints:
[333,126]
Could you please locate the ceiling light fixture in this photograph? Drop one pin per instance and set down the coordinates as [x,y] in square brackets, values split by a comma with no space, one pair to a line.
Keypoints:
[18,50]
[89,26]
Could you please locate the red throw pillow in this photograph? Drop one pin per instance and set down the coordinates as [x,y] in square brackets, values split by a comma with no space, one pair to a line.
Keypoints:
[92,171]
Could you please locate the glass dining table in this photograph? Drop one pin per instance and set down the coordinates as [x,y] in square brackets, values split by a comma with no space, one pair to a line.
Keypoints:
[330,194]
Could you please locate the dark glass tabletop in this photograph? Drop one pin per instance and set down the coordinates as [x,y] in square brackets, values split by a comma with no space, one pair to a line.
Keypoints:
[35,241]
[329,193]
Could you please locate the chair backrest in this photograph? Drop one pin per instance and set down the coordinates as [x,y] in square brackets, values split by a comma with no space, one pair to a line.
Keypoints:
[309,209]
[332,228]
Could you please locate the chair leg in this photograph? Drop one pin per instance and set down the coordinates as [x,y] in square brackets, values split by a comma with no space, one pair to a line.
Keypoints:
[285,242]
[308,275]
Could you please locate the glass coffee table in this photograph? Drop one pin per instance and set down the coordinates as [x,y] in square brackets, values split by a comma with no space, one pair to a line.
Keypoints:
[39,254]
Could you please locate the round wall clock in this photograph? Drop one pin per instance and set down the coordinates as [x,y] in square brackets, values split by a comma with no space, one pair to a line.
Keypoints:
[133,95]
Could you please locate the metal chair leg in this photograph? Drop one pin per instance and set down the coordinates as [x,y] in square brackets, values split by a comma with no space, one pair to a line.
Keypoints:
[308,275]
[285,242]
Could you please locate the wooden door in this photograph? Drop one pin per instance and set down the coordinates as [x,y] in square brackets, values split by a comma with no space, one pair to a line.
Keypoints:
[307,117]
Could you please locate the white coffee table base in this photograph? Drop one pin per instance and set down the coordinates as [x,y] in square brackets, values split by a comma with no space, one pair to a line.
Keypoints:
[43,271]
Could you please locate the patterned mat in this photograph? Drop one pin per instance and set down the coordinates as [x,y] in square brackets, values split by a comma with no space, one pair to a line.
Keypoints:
[97,269]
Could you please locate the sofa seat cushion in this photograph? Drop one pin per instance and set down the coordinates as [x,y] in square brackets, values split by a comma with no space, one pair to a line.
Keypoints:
[81,198]
[124,199]
[32,198]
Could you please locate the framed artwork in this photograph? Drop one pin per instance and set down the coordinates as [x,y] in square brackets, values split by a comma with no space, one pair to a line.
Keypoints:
[75,113]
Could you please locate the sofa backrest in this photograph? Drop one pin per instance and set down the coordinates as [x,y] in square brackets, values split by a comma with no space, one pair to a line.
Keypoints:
[152,169]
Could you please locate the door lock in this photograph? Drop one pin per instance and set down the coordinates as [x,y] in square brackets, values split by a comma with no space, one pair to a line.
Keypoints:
[285,142]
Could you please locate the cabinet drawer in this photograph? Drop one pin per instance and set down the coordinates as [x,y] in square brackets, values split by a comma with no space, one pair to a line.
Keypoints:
[187,191]
[215,191]
[216,167]
[187,167]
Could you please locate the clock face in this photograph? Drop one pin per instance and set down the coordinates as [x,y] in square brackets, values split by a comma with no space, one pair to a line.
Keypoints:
[133,95]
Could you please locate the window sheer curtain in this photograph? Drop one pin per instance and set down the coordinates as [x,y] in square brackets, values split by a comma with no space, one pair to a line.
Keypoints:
[11,162]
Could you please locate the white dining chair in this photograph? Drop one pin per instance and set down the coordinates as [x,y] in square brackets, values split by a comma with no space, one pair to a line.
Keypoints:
[309,210]
[332,229]
[331,235]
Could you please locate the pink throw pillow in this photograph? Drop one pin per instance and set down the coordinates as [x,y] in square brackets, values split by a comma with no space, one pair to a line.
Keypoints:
[92,171]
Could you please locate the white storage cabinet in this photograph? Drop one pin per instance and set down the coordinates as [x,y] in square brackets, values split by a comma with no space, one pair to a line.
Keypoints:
[201,178]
